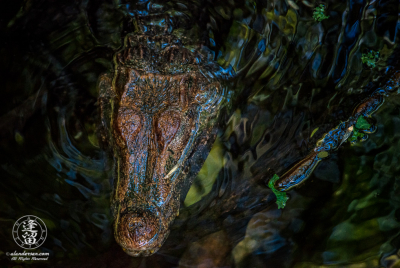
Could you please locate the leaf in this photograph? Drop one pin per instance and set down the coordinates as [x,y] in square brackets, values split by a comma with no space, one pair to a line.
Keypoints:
[19,138]
[323,154]
[315,130]
[362,123]
[281,197]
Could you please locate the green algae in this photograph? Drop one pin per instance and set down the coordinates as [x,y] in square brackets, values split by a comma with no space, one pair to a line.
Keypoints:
[281,197]
[370,58]
[319,13]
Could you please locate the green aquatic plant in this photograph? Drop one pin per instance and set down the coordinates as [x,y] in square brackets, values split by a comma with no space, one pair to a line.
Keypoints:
[319,13]
[370,58]
[281,197]
[361,124]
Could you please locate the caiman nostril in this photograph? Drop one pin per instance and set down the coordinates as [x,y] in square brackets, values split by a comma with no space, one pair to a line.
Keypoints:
[136,230]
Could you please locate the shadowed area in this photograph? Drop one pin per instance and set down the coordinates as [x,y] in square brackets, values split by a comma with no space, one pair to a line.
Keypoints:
[296,79]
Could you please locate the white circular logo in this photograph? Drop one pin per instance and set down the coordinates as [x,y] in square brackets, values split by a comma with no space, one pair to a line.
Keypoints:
[29,232]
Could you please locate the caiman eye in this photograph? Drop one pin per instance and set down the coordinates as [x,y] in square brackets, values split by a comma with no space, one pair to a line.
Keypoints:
[167,125]
[128,123]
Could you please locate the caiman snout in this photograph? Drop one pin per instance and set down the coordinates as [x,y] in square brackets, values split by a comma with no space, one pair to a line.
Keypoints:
[139,231]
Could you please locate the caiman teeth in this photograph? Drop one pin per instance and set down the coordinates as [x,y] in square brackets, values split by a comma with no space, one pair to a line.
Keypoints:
[171,172]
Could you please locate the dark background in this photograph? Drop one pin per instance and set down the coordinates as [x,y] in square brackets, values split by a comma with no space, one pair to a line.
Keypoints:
[293,75]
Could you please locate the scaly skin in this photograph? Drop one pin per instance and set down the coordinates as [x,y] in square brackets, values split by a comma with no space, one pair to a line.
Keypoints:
[154,109]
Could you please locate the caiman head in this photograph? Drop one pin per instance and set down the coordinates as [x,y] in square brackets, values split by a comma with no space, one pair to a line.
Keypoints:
[158,111]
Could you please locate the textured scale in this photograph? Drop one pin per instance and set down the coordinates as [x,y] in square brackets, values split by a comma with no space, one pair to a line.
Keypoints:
[160,103]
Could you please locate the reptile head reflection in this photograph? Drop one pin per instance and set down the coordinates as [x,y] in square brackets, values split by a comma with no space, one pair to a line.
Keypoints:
[154,123]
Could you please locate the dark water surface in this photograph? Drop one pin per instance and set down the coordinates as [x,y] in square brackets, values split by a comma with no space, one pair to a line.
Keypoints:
[292,76]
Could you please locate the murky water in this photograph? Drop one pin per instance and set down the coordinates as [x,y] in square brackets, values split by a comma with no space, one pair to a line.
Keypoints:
[292,75]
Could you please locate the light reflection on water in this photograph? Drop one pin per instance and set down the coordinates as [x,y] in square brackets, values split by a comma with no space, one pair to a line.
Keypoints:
[294,75]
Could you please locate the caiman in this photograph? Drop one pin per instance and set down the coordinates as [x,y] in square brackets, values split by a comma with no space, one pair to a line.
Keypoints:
[159,111]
